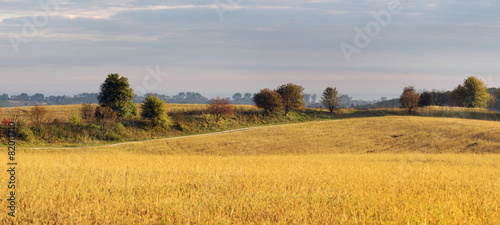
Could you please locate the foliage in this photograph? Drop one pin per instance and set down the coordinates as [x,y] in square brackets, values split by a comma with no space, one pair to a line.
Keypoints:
[220,107]
[106,117]
[440,97]
[473,94]
[87,112]
[409,99]
[491,101]
[154,109]
[268,100]
[74,118]
[425,99]
[117,94]
[331,99]
[38,114]
[292,97]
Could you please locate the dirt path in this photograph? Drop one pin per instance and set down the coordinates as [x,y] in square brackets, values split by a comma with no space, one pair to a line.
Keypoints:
[171,138]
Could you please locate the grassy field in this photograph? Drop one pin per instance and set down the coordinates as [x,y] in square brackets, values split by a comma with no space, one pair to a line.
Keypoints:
[310,173]
[57,130]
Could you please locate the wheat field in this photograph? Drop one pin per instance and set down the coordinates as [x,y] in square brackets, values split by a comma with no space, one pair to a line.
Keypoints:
[387,170]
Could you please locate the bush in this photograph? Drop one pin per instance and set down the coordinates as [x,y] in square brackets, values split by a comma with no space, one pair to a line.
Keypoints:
[87,112]
[154,109]
[220,107]
[25,134]
[38,114]
[106,117]
[268,100]
[74,118]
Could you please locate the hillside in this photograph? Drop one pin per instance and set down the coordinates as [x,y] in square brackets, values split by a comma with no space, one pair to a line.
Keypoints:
[392,134]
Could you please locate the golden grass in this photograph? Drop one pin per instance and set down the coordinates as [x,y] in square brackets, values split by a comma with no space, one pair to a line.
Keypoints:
[62,112]
[273,175]
[458,112]
[393,134]
[132,188]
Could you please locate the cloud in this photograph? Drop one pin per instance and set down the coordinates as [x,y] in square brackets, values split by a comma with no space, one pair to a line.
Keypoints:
[264,37]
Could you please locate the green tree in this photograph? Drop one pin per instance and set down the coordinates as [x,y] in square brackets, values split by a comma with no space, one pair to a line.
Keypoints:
[292,97]
[409,99]
[425,99]
[117,94]
[458,96]
[331,99]
[268,100]
[476,93]
[155,110]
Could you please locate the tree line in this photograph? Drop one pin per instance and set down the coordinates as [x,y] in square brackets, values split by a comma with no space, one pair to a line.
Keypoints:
[472,93]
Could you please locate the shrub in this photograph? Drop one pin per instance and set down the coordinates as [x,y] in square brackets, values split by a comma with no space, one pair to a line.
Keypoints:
[220,107]
[268,100]
[25,134]
[106,117]
[38,114]
[87,112]
[74,118]
[154,109]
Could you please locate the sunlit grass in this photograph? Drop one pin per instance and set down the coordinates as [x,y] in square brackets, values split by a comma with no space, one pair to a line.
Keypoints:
[134,188]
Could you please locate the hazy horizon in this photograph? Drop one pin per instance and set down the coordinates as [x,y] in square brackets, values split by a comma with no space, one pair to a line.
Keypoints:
[221,47]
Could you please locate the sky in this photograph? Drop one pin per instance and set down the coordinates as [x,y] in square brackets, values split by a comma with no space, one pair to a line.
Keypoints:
[367,49]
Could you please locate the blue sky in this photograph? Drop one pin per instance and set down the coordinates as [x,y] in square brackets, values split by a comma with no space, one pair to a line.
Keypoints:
[221,47]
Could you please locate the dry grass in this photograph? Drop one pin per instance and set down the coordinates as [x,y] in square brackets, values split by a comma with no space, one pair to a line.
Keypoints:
[273,175]
[458,112]
[395,134]
[132,188]
[62,112]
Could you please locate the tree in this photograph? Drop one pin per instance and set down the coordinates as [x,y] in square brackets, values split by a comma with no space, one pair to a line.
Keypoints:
[106,117]
[37,97]
[248,96]
[292,97]
[37,114]
[458,96]
[473,94]
[409,99]
[440,98]
[307,98]
[425,99]
[331,99]
[313,98]
[220,107]
[87,112]
[491,101]
[268,100]
[476,93]
[237,97]
[117,94]
[154,109]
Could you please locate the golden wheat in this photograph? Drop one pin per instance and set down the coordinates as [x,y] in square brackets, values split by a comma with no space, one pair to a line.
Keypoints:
[273,175]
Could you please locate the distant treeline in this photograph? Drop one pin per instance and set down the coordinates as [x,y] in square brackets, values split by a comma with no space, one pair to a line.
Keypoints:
[427,98]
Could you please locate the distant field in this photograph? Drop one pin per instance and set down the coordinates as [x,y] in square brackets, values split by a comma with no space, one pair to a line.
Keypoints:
[62,112]
[274,175]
